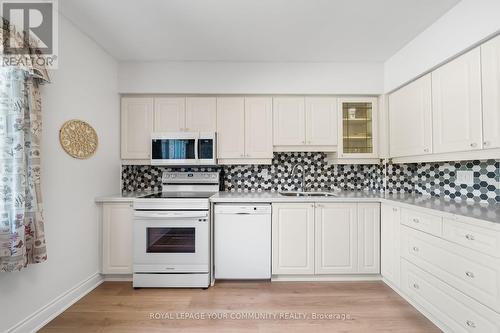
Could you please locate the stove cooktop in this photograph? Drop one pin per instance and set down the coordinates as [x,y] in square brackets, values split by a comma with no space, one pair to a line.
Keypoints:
[179,195]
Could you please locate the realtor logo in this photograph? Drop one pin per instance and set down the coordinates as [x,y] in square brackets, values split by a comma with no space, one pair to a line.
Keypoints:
[36,19]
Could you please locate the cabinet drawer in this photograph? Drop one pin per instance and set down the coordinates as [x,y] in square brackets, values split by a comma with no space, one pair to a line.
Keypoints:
[475,274]
[424,222]
[454,309]
[477,238]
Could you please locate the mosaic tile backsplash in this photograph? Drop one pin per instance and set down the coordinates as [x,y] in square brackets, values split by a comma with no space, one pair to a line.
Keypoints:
[436,179]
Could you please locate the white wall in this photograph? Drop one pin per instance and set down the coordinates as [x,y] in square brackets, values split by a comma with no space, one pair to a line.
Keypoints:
[84,87]
[250,78]
[465,25]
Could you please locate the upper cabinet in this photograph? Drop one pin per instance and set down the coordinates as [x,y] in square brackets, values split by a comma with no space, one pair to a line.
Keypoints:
[288,121]
[490,60]
[244,130]
[136,127]
[358,128]
[230,127]
[259,127]
[305,124]
[170,114]
[456,104]
[410,119]
[201,114]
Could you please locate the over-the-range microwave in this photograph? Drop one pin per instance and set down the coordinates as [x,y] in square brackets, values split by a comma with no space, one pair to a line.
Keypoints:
[183,148]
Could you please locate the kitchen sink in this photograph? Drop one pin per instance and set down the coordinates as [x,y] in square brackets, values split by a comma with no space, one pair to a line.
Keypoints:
[307,194]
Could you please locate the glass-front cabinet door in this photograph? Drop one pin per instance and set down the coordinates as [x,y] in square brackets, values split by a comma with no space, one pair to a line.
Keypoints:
[358,128]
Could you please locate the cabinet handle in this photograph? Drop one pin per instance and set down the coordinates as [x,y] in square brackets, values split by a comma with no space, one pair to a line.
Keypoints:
[469,274]
[416,286]
[415,220]
[394,209]
[415,249]
[470,323]
[313,206]
[473,145]
[469,237]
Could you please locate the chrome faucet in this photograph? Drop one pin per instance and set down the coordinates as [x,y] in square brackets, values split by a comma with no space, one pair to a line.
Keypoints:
[295,167]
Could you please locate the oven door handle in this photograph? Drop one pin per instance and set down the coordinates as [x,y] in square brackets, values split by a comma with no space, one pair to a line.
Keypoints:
[171,215]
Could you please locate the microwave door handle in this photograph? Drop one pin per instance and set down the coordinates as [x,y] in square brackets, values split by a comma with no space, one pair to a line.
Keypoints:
[196,148]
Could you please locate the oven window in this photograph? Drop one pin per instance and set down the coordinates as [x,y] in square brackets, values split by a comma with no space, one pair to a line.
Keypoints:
[205,149]
[173,149]
[170,240]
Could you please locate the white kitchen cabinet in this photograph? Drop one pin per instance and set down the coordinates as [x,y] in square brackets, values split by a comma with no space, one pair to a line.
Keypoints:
[288,121]
[358,128]
[410,118]
[456,104]
[490,60]
[293,238]
[201,114]
[368,216]
[117,219]
[336,239]
[389,243]
[321,121]
[258,128]
[230,127]
[169,114]
[136,127]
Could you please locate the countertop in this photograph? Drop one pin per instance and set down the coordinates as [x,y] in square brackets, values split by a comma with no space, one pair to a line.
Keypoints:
[452,209]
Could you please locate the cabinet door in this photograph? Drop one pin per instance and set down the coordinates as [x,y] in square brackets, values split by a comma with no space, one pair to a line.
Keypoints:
[230,127]
[117,219]
[410,112]
[389,243]
[321,121]
[201,114]
[490,53]
[293,238]
[258,127]
[169,114]
[336,238]
[456,104]
[369,238]
[136,127]
[288,121]
[358,127]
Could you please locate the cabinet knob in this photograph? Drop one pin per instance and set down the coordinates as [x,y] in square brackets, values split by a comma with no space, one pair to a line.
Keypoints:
[394,209]
[416,286]
[415,220]
[426,150]
[303,142]
[486,143]
[415,249]
[473,145]
[469,275]
[470,323]
[469,237]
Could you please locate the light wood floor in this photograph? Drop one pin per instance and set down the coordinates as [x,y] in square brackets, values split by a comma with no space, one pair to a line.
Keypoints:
[117,307]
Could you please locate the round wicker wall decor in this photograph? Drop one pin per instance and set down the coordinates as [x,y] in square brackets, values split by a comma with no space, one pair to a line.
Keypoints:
[78,139]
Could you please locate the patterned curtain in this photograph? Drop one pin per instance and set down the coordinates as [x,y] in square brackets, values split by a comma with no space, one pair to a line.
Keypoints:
[22,237]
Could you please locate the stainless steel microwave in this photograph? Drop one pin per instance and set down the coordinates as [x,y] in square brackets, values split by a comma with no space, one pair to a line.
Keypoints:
[183,148]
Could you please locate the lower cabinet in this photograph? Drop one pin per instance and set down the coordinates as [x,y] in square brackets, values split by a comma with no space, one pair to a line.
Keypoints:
[117,219]
[389,243]
[326,238]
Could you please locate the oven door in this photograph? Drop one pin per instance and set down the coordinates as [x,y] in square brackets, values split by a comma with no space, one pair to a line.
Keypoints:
[171,242]
[174,148]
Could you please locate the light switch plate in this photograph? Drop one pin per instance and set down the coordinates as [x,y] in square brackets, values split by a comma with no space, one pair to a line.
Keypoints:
[465,177]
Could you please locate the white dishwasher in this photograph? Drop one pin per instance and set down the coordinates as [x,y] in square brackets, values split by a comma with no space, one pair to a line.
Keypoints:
[242,241]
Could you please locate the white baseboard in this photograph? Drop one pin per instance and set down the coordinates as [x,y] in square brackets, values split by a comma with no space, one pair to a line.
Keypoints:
[326,278]
[117,277]
[40,318]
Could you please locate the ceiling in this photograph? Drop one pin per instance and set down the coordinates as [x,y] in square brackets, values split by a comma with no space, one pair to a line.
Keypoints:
[253,30]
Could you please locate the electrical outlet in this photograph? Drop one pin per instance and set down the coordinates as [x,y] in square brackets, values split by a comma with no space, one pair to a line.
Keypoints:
[465,177]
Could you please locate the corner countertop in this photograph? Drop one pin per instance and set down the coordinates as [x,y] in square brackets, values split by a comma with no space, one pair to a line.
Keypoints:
[450,208]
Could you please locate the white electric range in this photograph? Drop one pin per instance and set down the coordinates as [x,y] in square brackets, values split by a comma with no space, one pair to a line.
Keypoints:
[172,232]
